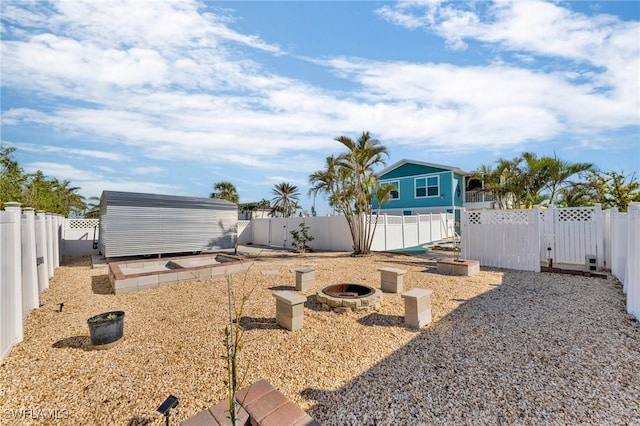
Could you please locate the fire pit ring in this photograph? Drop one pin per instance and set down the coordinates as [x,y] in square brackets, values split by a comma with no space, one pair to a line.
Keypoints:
[346,297]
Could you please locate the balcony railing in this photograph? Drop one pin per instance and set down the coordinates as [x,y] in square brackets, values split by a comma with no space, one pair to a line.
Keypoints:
[479,197]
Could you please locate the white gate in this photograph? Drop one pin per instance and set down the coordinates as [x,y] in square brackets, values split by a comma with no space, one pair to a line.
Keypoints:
[502,238]
[568,235]
[278,232]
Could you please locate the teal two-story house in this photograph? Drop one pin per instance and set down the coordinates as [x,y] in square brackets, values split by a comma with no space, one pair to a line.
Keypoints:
[423,188]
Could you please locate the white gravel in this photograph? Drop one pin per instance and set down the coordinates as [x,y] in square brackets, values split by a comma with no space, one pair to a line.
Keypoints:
[504,347]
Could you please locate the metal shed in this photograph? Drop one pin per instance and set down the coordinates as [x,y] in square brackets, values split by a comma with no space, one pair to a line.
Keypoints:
[133,224]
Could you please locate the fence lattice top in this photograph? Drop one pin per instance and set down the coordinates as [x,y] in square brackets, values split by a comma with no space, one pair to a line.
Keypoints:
[496,217]
[576,215]
[82,223]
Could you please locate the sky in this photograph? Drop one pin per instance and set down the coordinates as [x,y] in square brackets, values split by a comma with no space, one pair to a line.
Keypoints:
[170,97]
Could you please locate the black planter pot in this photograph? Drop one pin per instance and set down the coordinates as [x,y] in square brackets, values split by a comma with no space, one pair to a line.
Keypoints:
[106,328]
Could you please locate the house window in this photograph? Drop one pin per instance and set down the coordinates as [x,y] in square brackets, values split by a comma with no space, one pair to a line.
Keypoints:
[395,193]
[427,187]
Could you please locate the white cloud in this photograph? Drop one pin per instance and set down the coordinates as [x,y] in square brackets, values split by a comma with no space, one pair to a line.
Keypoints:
[92,183]
[148,171]
[540,28]
[59,171]
[165,80]
[67,151]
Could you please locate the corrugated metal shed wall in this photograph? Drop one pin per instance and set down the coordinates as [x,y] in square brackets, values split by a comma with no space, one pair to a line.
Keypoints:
[141,224]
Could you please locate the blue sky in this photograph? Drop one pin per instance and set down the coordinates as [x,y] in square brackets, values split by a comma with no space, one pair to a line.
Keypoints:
[169,97]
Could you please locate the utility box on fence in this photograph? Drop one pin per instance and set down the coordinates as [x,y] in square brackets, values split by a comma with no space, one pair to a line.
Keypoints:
[133,224]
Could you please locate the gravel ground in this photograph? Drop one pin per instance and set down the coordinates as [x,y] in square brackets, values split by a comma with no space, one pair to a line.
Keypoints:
[504,347]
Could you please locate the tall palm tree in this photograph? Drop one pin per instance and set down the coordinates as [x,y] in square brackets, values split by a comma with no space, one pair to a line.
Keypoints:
[286,198]
[226,191]
[352,186]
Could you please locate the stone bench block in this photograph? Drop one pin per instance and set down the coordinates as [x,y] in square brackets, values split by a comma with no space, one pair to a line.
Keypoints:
[463,268]
[289,309]
[305,279]
[392,279]
[417,307]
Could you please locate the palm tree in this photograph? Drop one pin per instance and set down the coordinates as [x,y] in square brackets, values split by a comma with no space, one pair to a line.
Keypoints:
[579,194]
[93,208]
[248,209]
[225,191]
[523,179]
[352,187]
[286,199]
[492,182]
[263,205]
[561,171]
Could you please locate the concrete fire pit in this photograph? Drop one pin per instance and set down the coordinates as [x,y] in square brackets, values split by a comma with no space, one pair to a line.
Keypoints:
[343,298]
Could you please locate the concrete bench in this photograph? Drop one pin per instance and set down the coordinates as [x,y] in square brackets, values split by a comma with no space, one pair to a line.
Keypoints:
[417,307]
[260,404]
[289,309]
[392,279]
[305,279]
[463,268]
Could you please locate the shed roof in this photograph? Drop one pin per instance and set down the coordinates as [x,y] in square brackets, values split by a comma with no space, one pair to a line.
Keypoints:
[138,199]
[422,163]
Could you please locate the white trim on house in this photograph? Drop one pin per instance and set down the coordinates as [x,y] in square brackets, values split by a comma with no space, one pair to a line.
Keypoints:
[398,211]
[422,163]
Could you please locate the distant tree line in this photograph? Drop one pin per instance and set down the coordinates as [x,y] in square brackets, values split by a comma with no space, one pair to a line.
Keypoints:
[350,185]
[529,180]
[36,190]
[285,203]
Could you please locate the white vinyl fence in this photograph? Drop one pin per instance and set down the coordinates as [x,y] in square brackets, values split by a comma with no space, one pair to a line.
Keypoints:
[29,253]
[502,238]
[80,237]
[332,232]
[572,233]
[625,254]
[520,239]
[329,232]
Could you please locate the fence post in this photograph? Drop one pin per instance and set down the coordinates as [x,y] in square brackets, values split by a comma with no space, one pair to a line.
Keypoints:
[386,230]
[15,294]
[464,233]
[606,235]
[56,241]
[41,252]
[534,219]
[599,236]
[29,266]
[632,277]
[49,226]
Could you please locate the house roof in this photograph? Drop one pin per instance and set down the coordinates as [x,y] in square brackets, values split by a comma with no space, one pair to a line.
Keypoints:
[422,163]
